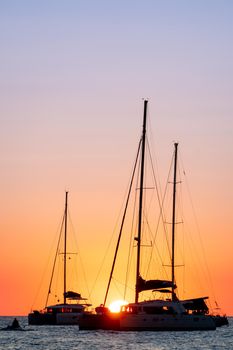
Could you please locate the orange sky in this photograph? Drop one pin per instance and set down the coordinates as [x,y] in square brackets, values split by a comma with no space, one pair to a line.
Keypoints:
[31,222]
[72,83]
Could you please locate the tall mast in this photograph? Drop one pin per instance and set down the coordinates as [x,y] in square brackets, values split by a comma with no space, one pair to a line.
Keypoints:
[65,240]
[141,199]
[174,222]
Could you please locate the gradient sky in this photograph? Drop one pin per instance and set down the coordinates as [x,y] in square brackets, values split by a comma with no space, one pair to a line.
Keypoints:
[73,75]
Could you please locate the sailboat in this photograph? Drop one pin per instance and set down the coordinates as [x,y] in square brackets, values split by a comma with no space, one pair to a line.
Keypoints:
[73,306]
[157,314]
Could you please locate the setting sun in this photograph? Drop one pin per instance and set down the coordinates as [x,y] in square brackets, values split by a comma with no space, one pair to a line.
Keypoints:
[115,306]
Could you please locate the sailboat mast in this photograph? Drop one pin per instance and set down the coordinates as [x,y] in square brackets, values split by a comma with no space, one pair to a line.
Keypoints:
[174,222]
[141,199]
[65,241]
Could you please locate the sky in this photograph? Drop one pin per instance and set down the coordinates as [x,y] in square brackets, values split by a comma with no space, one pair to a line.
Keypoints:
[73,78]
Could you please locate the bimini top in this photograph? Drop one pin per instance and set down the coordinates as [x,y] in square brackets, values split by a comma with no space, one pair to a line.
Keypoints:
[152,284]
[73,296]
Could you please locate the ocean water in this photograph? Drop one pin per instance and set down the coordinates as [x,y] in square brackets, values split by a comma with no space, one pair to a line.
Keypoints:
[70,338]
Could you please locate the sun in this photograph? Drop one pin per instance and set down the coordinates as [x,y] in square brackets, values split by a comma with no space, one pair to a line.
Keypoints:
[115,306]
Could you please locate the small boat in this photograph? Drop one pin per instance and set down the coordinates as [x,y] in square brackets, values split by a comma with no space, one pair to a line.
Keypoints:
[73,306]
[169,314]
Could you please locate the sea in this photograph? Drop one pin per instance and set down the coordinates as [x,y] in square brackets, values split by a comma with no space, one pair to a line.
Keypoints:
[71,338]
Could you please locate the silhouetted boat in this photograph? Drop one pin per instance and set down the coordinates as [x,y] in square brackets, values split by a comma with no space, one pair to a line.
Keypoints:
[154,315]
[15,326]
[73,306]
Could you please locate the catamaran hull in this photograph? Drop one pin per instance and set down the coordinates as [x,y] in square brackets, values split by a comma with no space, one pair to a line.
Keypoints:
[147,322]
[38,318]
[166,323]
[98,321]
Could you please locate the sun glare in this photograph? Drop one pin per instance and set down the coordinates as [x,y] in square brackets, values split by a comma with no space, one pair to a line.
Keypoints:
[115,306]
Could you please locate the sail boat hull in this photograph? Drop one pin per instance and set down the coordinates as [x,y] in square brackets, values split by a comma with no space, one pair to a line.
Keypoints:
[163,315]
[166,323]
[39,318]
[155,315]
[92,321]
[59,314]
[50,319]
[148,323]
